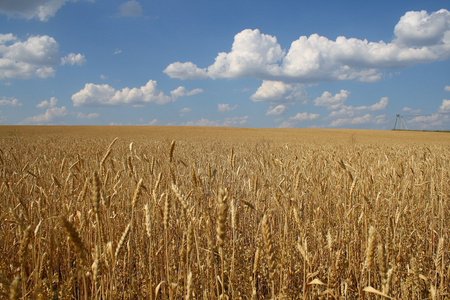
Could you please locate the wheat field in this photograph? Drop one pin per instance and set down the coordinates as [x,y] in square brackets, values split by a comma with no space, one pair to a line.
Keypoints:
[223,213]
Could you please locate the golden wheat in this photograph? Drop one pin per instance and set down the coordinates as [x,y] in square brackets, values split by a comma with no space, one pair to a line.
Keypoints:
[234,213]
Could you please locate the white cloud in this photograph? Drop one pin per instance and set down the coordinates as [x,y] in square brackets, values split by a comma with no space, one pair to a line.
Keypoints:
[421,119]
[130,8]
[350,111]
[252,55]
[439,120]
[52,113]
[225,107]
[367,118]
[299,117]
[431,121]
[73,59]
[10,102]
[153,122]
[280,92]
[36,50]
[304,116]
[330,101]
[412,111]
[181,91]
[418,28]
[277,110]
[445,107]
[29,9]
[447,88]
[185,70]
[103,76]
[35,57]
[227,122]
[420,37]
[48,103]
[7,38]
[117,51]
[381,119]
[105,95]
[235,121]
[379,105]
[88,116]
[93,94]
[185,110]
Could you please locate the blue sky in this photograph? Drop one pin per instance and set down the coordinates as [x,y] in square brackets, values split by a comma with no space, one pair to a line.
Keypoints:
[267,64]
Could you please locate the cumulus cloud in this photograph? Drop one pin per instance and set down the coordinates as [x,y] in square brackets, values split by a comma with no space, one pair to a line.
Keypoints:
[88,116]
[350,111]
[420,37]
[105,95]
[225,107]
[365,119]
[304,116]
[420,119]
[153,122]
[130,8]
[7,38]
[252,55]
[412,111]
[445,107]
[181,91]
[10,102]
[379,105]
[447,88]
[432,121]
[439,120]
[330,101]
[419,28]
[280,92]
[185,110]
[234,121]
[35,57]
[52,112]
[277,110]
[48,103]
[73,59]
[50,115]
[299,117]
[187,70]
[29,9]
[357,120]
[36,50]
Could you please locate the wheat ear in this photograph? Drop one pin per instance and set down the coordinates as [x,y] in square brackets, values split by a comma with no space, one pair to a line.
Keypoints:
[73,236]
[222,212]
[270,251]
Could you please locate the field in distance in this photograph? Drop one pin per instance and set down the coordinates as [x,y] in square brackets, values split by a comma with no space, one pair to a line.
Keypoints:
[140,212]
[232,134]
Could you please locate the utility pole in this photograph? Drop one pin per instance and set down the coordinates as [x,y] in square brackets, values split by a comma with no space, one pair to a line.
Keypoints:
[401,124]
